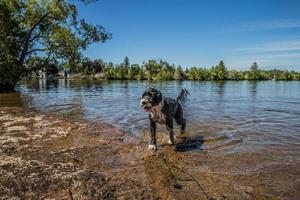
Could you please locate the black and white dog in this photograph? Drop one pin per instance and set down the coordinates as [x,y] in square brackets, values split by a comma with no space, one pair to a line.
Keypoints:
[162,110]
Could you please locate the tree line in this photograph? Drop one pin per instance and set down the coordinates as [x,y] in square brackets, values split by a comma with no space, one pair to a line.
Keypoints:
[50,29]
[48,35]
[162,70]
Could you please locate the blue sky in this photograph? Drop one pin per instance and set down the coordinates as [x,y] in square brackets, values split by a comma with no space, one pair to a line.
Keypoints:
[199,33]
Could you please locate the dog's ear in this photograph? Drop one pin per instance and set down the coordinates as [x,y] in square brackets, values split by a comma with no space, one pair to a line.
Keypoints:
[157,97]
[148,92]
[154,94]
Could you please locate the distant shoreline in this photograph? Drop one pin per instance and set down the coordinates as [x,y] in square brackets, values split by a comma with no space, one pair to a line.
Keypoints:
[90,78]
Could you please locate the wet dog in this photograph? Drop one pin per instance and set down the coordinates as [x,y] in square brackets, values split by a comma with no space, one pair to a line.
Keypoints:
[163,110]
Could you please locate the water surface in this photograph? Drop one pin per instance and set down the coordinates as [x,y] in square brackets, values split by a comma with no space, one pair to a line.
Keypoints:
[232,116]
[242,133]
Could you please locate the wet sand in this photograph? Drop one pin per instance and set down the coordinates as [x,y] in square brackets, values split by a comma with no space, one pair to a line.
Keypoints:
[45,156]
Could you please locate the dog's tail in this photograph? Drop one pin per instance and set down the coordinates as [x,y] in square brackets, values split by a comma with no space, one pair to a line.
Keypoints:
[182,97]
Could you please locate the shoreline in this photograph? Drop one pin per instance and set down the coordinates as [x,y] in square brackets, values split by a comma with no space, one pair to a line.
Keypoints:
[45,156]
[77,77]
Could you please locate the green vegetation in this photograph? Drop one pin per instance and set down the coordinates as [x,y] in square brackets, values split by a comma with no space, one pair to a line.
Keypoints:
[162,70]
[50,28]
[47,37]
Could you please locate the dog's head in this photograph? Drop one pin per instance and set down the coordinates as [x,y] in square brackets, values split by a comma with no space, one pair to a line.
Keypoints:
[151,97]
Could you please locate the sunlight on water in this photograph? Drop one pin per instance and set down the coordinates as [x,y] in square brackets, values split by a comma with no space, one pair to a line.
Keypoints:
[231,116]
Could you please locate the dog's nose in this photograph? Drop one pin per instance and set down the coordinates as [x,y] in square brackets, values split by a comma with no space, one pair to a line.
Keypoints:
[143,102]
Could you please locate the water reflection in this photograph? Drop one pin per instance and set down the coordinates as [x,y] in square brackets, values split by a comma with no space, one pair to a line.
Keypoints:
[12,99]
[45,84]
[253,88]
[64,83]
[220,88]
[246,112]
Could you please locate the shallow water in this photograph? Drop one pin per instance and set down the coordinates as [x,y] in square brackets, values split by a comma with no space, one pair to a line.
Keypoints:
[243,137]
[231,116]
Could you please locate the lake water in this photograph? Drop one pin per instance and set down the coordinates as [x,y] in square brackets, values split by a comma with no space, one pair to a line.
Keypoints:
[231,116]
[248,133]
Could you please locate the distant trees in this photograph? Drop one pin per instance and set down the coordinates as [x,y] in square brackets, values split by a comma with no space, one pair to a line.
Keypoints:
[179,74]
[159,70]
[98,65]
[254,73]
[50,28]
[37,65]
[221,71]
[126,63]
[48,35]
[162,70]
[133,72]
[141,74]
[109,72]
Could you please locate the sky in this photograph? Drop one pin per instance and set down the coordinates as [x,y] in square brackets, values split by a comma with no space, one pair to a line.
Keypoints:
[198,32]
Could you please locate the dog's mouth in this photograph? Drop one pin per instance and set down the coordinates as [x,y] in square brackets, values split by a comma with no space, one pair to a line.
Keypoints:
[146,108]
[146,105]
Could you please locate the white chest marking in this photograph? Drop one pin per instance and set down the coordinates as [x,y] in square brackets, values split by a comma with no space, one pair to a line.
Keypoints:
[157,115]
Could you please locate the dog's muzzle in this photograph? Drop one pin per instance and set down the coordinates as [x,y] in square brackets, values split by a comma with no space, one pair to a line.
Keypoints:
[145,105]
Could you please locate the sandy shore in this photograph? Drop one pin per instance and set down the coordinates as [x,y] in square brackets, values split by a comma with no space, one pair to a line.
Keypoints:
[44,156]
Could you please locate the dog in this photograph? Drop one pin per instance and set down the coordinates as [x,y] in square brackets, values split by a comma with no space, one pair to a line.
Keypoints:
[163,110]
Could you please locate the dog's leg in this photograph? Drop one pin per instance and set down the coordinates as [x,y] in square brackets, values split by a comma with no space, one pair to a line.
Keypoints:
[180,120]
[169,124]
[183,124]
[152,144]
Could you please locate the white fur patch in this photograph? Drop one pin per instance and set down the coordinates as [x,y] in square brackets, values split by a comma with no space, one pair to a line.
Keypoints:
[170,142]
[152,147]
[157,115]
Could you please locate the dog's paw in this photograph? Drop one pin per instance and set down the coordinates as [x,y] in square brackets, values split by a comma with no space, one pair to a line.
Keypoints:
[152,147]
[170,142]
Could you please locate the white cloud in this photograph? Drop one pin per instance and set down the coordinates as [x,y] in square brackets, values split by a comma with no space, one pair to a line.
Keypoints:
[265,25]
[276,46]
[283,61]
[277,54]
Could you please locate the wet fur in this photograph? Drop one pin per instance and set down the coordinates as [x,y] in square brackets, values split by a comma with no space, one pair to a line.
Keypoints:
[163,110]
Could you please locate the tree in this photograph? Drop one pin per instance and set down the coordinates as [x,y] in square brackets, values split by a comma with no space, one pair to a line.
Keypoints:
[109,72]
[152,68]
[254,73]
[10,44]
[98,65]
[165,72]
[235,75]
[133,71]
[51,69]
[34,65]
[120,72]
[221,71]
[37,64]
[141,75]
[213,73]
[192,73]
[50,28]
[126,63]
[86,66]
[179,74]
